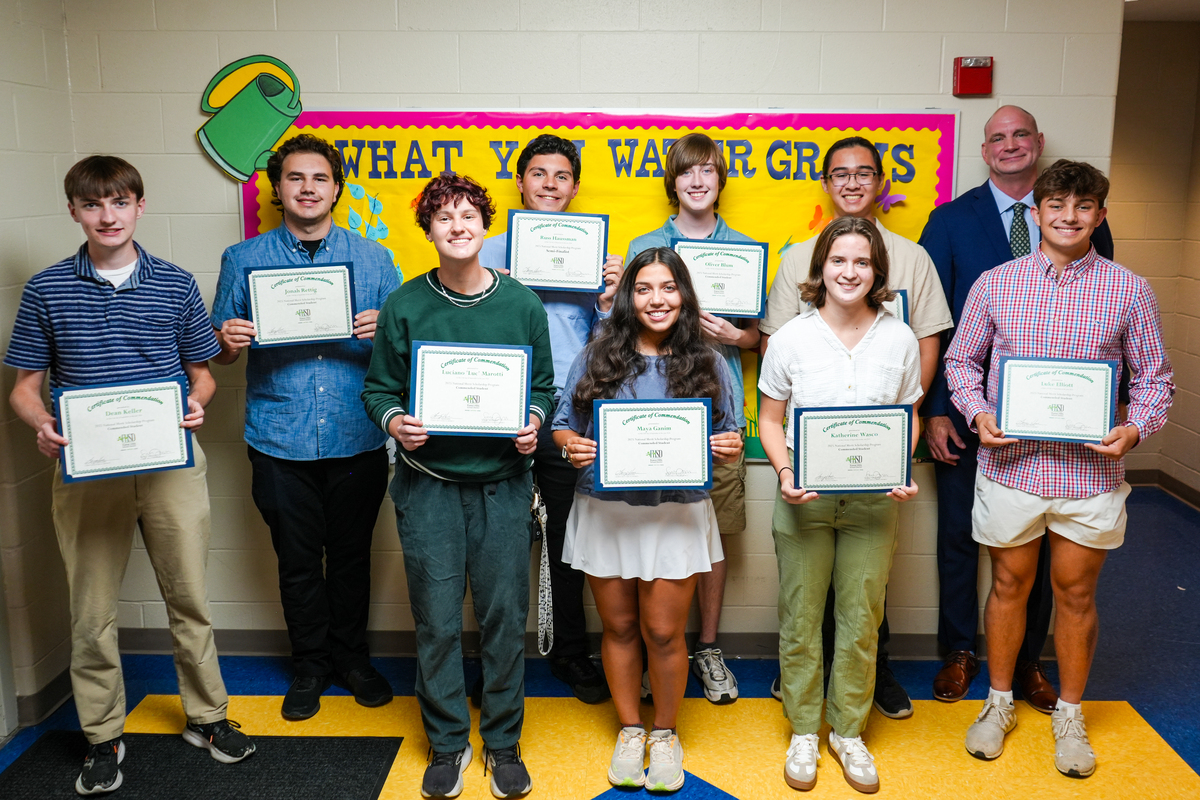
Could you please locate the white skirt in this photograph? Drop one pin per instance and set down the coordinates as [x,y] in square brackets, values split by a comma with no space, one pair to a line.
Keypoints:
[612,539]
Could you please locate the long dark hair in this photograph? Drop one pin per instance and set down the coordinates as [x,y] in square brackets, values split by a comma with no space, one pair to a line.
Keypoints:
[613,359]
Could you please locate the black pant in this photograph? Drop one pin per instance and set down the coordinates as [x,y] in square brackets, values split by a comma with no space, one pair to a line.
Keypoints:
[556,479]
[958,558]
[322,514]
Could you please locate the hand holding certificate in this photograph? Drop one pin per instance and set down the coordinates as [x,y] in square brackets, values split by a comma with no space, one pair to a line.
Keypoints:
[853,449]
[653,444]
[292,305]
[471,389]
[558,250]
[730,278]
[1056,399]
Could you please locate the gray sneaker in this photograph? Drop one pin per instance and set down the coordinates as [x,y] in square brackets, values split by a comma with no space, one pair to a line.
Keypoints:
[647,695]
[985,737]
[666,762]
[800,766]
[720,687]
[1073,754]
[629,756]
[858,765]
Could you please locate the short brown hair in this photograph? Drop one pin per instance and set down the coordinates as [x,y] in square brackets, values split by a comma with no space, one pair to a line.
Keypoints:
[97,177]
[1066,178]
[813,289]
[449,188]
[305,143]
[694,149]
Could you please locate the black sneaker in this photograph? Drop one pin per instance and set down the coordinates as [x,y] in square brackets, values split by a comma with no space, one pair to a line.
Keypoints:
[509,776]
[303,698]
[581,675]
[443,775]
[101,769]
[476,693]
[890,698]
[369,688]
[221,739]
[777,687]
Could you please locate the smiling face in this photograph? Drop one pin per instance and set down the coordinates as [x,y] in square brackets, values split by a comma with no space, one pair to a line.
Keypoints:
[656,301]
[548,183]
[856,197]
[1012,144]
[108,222]
[698,188]
[1067,224]
[307,190]
[848,275]
[457,232]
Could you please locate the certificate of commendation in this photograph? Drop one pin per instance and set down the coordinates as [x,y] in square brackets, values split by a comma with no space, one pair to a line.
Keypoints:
[730,278]
[292,305]
[653,444]
[119,429]
[558,250]
[471,389]
[1056,399]
[852,449]
[898,305]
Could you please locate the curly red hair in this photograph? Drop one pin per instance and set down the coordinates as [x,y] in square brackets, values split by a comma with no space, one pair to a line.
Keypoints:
[451,189]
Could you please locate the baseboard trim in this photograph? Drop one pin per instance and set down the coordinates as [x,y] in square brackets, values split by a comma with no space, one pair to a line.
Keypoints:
[33,708]
[1168,483]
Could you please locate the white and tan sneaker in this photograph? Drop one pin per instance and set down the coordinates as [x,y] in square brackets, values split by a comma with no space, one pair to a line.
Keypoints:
[858,765]
[800,767]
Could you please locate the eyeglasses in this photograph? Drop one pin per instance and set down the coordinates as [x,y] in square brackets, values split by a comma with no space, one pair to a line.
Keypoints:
[861,178]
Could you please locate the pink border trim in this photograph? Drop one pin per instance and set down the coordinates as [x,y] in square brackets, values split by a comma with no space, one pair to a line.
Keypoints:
[944,122]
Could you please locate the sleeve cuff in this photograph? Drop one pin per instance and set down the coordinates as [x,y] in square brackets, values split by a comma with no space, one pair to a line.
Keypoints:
[387,417]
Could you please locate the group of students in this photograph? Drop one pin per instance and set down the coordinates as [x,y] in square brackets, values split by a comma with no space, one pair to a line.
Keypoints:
[463,503]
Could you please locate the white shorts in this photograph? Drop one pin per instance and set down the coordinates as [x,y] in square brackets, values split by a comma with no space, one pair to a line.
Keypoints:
[1008,517]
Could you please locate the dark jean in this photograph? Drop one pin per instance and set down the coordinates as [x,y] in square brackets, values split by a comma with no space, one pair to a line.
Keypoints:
[322,515]
[451,533]
[556,479]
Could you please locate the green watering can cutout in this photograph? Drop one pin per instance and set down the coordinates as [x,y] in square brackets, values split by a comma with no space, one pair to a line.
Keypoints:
[240,134]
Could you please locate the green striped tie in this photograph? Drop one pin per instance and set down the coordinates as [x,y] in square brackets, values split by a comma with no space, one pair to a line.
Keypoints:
[1018,235]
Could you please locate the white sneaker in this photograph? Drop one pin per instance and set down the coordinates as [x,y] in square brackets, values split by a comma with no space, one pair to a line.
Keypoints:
[858,765]
[985,737]
[629,756]
[666,762]
[720,687]
[800,767]
[647,695]
[1073,754]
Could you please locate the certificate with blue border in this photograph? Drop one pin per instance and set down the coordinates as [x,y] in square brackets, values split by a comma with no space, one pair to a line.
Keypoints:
[470,389]
[292,304]
[1056,399]
[852,449]
[730,278]
[549,250]
[652,444]
[898,306]
[123,428]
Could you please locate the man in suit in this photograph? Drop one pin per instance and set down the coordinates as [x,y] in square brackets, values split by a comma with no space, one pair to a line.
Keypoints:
[985,227]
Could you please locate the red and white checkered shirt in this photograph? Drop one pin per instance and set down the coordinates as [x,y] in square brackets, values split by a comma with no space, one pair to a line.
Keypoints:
[1095,310]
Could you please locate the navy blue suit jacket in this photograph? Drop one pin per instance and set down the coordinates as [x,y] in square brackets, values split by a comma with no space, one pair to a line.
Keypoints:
[966,238]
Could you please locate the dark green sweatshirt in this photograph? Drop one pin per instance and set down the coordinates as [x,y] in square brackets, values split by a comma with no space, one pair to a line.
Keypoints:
[509,313]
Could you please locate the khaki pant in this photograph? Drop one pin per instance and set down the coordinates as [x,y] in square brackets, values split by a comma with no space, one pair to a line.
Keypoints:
[728,494]
[95,521]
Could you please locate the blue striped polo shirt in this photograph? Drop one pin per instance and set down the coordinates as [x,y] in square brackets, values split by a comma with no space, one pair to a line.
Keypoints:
[84,330]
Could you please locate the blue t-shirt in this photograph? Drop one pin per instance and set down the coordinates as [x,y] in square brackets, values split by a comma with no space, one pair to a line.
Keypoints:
[650,385]
[302,401]
[733,354]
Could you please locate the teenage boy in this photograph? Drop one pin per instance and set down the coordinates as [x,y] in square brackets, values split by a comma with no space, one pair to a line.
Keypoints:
[851,175]
[114,313]
[462,502]
[1061,301]
[319,466]
[695,176]
[548,171]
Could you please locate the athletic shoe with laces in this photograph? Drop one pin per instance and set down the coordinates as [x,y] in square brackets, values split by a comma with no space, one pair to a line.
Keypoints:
[444,773]
[628,759]
[1073,754]
[509,776]
[985,737]
[800,766]
[777,687]
[221,739]
[647,695]
[101,769]
[858,765]
[666,762]
[720,687]
[890,698]
[578,672]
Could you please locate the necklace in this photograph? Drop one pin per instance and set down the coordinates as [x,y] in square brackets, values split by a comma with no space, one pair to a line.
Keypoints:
[436,283]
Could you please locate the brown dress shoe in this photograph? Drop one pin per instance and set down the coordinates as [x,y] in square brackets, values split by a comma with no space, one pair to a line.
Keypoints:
[954,679]
[1035,687]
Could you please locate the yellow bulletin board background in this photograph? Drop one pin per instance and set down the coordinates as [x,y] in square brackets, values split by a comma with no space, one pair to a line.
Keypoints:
[773,193]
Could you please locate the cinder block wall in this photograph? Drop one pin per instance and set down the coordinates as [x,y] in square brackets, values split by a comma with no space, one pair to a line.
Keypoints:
[125,77]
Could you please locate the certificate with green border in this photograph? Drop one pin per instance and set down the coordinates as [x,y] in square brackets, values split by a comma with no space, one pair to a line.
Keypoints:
[1056,399]
[653,444]
[471,389]
[123,428]
[561,251]
[730,278]
[292,305]
[852,449]
[898,305]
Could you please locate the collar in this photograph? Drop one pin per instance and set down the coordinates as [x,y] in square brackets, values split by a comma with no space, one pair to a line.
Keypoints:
[84,268]
[1005,203]
[1072,270]
[293,243]
[719,233]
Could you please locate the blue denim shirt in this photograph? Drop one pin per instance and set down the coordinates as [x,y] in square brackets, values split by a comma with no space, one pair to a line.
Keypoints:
[572,315]
[302,401]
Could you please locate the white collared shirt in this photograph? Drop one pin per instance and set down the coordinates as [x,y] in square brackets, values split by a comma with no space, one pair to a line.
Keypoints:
[1004,204]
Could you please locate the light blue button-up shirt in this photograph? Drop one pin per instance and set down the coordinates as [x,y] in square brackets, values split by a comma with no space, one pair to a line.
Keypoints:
[1005,204]
[302,400]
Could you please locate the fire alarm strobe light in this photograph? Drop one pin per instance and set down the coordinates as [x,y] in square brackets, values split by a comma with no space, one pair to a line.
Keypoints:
[972,75]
